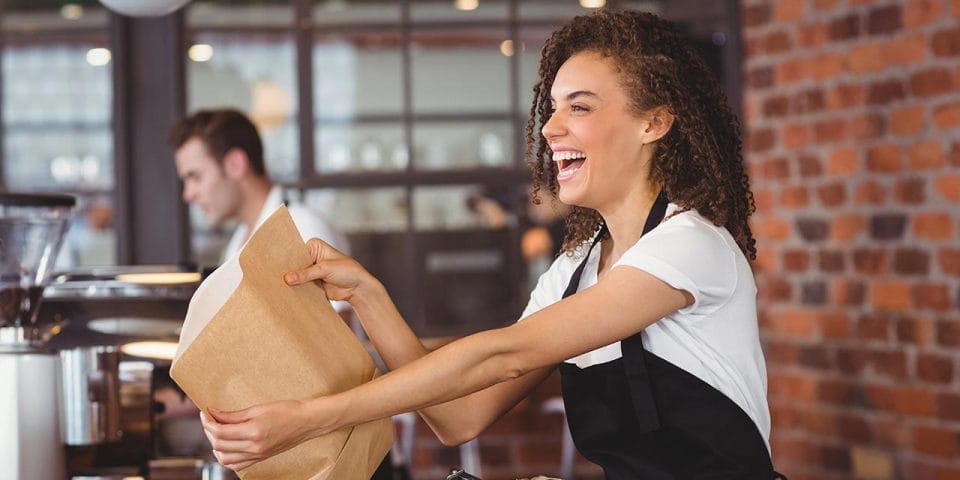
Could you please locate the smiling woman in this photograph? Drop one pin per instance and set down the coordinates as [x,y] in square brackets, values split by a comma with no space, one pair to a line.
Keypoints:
[650,315]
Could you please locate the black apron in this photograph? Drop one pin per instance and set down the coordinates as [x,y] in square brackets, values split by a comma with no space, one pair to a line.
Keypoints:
[641,417]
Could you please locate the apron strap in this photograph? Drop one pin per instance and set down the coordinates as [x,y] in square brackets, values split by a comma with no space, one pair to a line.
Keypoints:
[633,352]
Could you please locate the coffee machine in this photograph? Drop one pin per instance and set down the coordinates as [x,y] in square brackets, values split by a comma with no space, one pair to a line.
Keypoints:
[32,229]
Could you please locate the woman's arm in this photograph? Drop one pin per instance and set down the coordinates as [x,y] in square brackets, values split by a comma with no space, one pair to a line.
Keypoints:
[623,302]
[398,345]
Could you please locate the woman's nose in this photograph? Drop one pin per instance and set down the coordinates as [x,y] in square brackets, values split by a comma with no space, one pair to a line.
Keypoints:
[553,127]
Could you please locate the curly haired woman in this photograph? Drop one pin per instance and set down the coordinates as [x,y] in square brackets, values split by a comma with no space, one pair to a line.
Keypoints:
[651,313]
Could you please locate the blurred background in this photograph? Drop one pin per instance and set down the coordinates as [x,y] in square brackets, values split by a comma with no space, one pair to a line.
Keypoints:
[398,119]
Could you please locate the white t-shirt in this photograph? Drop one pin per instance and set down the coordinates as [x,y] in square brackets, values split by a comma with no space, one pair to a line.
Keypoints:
[308,222]
[716,338]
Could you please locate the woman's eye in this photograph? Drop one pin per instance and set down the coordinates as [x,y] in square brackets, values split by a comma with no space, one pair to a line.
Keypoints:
[579,108]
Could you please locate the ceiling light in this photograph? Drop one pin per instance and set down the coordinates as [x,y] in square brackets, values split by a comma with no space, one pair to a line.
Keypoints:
[592,3]
[506,48]
[466,5]
[155,350]
[200,52]
[98,57]
[71,11]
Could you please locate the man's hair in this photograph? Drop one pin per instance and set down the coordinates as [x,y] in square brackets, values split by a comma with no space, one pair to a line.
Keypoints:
[220,130]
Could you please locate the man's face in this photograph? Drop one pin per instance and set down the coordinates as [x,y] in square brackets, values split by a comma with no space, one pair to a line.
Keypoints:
[206,183]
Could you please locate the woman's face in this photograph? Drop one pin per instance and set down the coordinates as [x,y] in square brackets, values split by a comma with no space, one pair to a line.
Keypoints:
[595,139]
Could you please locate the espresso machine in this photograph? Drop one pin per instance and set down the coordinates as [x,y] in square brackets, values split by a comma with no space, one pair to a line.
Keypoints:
[32,229]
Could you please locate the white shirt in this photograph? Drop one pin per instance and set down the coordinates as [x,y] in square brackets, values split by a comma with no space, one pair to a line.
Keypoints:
[309,223]
[717,337]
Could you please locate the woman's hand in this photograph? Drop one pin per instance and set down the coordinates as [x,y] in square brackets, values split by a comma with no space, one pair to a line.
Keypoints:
[340,275]
[245,437]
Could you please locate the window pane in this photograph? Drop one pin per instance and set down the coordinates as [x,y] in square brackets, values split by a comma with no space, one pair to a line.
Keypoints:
[57,110]
[358,74]
[550,10]
[463,70]
[458,10]
[351,147]
[449,207]
[328,12]
[221,13]
[463,144]
[362,210]
[254,73]
[532,40]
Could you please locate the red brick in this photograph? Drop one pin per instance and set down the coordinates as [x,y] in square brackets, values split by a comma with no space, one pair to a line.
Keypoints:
[904,51]
[810,166]
[870,261]
[776,289]
[946,43]
[835,325]
[791,71]
[873,327]
[811,35]
[947,116]
[956,9]
[844,28]
[846,96]
[948,186]
[870,192]
[931,82]
[949,260]
[851,361]
[796,136]
[843,161]
[884,158]
[886,19]
[789,11]
[796,260]
[885,92]
[847,227]
[760,140]
[890,295]
[777,42]
[798,322]
[934,368]
[910,190]
[760,77]
[775,169]
[795,196]
[911,261]
[927,155]
[866,58]
[931,296]
[755,15]
[914,401]
[766,260]
[781,353]
[824,5]
[890,433]
[941,442]
[763,198]
[915,331]
[867,126]
[830,130]
[907,120]
[948,333]
[832,194]
[793,386]
[921,12]
[948,406]
[776,106]
[827,66]
[774,229]
[932,226]
[848,293]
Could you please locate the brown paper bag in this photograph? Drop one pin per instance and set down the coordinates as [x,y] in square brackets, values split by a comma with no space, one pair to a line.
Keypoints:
[270,341]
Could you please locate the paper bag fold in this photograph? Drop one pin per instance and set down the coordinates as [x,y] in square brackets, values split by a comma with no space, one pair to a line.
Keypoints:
[270,341]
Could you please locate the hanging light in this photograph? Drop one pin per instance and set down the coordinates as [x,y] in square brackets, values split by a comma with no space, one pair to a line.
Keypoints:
[466,5]
[71,11]
[98,57]
[592,3]
[200,52]
[506,48]
[144,8]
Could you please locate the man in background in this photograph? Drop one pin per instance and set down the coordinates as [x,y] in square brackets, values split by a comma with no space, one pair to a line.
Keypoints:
[219,157]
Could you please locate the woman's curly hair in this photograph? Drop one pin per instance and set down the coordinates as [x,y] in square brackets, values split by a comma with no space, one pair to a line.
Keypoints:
[698,163]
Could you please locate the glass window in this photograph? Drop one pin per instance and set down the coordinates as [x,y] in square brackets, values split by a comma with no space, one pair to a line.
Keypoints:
[358,74]
[463,144]
[332,12]
[460,71]
[458,10]
[230,13]
[353,147]
[255,73]
[362,210]
[57,109]
[457,207]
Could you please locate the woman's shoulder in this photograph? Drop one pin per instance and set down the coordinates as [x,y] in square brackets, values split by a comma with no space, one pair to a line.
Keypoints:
[691,228]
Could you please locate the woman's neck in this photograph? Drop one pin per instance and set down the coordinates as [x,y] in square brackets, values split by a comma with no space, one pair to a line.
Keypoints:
[625,226]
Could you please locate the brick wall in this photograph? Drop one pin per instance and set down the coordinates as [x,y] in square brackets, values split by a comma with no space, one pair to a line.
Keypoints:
[852,115]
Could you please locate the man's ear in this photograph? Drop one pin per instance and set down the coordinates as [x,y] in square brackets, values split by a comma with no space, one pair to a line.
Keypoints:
[660,120]
[236,165]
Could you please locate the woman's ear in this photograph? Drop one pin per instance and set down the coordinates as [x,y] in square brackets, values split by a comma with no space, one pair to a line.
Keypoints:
[659,122]
[236,164]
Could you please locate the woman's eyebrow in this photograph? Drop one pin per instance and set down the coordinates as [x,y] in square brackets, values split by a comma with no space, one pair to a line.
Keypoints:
[576,94]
